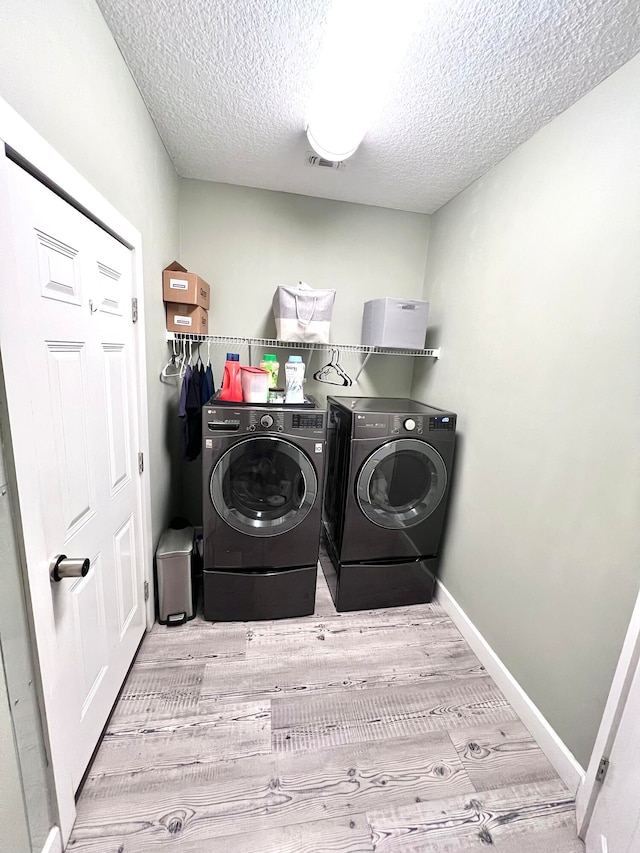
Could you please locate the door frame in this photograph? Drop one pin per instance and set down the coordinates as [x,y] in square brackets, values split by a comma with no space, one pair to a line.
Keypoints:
[41,159]
[623,677]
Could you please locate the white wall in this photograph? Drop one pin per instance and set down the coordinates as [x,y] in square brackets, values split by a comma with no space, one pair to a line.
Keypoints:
[62,71]
[533,278]
[245,242]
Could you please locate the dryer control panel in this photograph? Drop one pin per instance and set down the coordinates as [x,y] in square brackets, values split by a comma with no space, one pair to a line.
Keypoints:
[407,424]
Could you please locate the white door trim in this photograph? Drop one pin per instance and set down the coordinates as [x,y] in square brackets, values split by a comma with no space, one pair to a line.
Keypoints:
[616,701]
[53,844]
[36,151]
[548,739]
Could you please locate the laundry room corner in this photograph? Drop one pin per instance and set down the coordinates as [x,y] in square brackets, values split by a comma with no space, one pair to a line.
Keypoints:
[246,241]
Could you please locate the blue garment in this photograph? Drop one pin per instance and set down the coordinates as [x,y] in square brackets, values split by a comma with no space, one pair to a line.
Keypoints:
[190,410]
[209,387]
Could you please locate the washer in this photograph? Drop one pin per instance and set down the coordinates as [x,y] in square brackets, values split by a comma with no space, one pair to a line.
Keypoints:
[263,478]
[389,466]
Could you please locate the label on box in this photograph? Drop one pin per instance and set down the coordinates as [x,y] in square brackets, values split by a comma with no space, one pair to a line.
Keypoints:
[178,284]
[182,321]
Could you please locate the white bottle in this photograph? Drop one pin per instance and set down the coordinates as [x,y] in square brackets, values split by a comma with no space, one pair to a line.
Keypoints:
[294,376]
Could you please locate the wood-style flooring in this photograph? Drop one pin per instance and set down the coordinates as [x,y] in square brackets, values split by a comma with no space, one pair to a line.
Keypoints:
[333,733]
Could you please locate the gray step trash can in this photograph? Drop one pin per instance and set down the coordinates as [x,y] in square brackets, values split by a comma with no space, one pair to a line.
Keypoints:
[173,567]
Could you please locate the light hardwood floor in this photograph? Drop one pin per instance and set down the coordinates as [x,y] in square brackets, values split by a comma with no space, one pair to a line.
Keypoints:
[333,733]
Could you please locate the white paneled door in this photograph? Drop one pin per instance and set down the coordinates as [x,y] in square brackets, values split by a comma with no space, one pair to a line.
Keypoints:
[69,361]
[615,824]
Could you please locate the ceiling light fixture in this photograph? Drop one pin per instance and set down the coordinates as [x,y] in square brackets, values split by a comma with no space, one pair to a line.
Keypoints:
[363,45]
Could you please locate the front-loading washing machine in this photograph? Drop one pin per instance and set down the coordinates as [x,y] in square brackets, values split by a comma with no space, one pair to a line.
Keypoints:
[263,472]
[388,477]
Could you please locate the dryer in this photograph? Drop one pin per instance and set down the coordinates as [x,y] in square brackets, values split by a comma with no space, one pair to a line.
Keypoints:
[263,472]
[388,476]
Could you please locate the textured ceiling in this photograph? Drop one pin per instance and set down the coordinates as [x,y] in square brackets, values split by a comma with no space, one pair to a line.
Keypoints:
[227,83]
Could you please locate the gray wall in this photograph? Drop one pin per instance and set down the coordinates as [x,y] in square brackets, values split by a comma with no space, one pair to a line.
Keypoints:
[62,71]
[533,278]
[245,242]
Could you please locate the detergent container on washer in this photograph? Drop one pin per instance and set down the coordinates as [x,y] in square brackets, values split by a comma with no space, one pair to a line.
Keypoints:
[294,373]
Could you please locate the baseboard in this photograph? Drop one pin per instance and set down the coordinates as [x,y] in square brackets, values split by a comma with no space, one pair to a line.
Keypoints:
[551,744]
[53,844]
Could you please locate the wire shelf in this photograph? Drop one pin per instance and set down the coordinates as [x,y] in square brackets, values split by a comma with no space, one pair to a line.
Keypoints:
[272,343]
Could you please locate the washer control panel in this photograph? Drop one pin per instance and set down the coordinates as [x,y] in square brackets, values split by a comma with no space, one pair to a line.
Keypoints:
[312,420]
[258,419]
[226,421]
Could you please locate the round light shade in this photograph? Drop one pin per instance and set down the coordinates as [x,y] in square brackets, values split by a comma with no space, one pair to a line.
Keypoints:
[336,145]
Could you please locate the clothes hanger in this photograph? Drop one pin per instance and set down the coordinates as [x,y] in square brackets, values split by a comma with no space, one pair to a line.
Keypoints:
[199,362]
[333,373]
[184,360]
[172,367]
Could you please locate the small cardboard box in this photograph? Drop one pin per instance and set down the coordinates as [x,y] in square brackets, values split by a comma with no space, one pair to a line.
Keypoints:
[184,287]
[395,323]
[189,319]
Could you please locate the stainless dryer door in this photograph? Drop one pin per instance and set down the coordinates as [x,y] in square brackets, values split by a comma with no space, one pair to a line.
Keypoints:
[401,483]
[263,486]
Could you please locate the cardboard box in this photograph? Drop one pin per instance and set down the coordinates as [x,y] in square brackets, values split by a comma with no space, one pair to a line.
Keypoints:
[184,287]
[395,323]
[189,319]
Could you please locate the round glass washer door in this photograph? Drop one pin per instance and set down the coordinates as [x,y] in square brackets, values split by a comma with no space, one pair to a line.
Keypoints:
[263,486]
[401,483]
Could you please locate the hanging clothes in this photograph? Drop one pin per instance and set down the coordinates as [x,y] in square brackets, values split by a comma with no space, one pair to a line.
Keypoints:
[202,384]
[190,411]
[209,386]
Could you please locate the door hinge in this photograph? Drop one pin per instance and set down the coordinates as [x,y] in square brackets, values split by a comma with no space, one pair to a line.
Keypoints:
[140,463]
[134,310]
[146,590]
[602,769]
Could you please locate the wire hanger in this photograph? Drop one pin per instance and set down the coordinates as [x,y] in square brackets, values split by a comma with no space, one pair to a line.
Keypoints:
[333,373]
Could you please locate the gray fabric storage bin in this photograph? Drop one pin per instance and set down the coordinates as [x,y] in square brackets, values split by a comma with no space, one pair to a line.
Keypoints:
[173,567]
[395,323]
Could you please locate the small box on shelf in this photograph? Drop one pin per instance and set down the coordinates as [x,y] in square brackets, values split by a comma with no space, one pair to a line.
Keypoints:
[188,319]
[184,287]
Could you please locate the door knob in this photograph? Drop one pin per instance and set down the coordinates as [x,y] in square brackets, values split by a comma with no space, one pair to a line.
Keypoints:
[68,567]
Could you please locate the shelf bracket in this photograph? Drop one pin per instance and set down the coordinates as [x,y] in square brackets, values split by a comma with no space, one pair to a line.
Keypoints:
[362,367]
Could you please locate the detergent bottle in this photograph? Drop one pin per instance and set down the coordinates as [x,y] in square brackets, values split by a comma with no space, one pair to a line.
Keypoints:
[270,363]
[294,374]
[231,381]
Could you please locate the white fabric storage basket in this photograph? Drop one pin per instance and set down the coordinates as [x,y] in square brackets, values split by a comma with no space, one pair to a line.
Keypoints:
[302,313]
